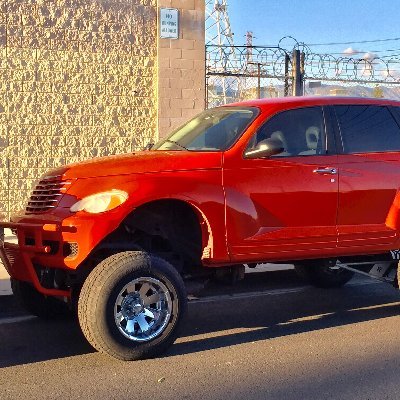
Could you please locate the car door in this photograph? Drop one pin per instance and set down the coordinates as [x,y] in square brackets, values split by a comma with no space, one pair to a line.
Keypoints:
[369,176]
[285,205]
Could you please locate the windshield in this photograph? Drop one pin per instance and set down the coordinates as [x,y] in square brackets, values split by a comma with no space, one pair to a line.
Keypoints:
[212,130]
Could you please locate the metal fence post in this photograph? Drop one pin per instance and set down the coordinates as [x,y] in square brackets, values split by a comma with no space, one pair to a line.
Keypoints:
[297,73]
[286,89]
[206,91]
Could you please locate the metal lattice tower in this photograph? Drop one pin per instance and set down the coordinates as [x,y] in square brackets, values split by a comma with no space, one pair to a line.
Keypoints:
[218,27]
[221,53]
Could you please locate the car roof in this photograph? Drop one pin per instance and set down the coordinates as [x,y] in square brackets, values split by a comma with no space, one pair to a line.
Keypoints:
[313,101]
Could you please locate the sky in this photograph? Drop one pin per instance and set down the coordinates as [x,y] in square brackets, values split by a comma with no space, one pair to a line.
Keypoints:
[319,21]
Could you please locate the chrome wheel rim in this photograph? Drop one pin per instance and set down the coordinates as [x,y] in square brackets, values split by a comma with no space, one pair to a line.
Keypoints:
[143,309]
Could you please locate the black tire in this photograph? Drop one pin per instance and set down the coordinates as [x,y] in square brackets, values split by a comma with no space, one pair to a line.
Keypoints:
[35,303]
[321,274]
[106,284]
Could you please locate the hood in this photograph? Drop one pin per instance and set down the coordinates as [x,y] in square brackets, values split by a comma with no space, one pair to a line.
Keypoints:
[141,162]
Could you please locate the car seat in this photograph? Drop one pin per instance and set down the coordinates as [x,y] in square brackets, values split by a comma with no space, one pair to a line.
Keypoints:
[312,139]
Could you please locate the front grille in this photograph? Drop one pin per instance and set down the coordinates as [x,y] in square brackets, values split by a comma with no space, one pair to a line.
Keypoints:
[47,194]
[70,250]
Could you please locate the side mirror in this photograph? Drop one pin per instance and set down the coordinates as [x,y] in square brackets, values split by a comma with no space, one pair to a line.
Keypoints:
[266,148]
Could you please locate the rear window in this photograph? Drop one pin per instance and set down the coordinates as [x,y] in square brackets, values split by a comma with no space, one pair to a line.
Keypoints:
[367,129]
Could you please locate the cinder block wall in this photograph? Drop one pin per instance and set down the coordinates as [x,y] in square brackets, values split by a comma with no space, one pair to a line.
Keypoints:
[82,78]
[182,67]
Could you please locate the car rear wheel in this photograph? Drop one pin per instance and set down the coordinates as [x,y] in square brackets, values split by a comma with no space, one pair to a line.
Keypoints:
[324,274]
[36,303]
[132,306]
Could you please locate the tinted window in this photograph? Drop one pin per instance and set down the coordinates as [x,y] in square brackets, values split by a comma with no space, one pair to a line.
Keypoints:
[301,132]
[396,111]
[367,129]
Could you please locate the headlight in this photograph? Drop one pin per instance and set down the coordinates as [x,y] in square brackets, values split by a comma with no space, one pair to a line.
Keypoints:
[100,202]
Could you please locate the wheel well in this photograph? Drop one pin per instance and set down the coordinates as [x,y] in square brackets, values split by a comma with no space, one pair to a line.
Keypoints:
[172,229]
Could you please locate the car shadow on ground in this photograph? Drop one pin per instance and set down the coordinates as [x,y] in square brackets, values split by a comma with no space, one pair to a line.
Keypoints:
[213,325]
[216,324]
[36,340]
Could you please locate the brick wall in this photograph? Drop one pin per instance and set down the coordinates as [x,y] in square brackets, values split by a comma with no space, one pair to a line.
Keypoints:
[81,79]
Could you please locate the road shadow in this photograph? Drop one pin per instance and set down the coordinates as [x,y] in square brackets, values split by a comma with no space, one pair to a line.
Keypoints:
[287,314]
[265,317]
[35,340]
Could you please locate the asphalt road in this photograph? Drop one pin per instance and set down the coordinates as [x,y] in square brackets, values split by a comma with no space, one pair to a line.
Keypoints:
[269,338]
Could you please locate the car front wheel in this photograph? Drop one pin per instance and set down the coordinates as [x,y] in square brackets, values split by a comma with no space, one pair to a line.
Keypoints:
[132,305]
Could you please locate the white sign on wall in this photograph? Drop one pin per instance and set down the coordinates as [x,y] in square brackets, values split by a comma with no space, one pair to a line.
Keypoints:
[169,23]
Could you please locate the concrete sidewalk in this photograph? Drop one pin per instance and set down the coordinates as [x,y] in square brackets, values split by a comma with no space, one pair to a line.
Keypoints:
[5,287]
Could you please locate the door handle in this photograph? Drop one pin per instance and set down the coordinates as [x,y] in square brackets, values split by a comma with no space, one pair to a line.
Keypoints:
[325,171]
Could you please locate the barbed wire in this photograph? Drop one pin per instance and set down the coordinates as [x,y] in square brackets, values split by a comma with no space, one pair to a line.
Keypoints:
[248,59]
[247,72]
[276,62]
[351,69]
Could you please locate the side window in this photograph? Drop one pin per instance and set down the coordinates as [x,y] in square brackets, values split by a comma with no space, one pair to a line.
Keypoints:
[301,131]
[395,110]
[367,129]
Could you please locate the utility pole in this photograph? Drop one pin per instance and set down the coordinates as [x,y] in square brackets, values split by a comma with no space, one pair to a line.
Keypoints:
[249,45]
[259,65]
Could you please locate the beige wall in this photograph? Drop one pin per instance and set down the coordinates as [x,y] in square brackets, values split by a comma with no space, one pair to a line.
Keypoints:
[181,74]
[80,79]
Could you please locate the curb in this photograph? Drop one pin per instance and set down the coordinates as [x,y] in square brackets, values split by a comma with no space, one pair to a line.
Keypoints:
[5,286]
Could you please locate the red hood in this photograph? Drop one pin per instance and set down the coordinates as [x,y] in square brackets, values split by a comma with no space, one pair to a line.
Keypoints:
[141,162]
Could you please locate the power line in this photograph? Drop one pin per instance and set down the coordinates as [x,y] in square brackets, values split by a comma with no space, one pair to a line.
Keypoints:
[353,42]
[358,52]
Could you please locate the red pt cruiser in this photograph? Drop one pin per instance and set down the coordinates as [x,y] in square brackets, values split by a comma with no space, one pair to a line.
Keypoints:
[309,181]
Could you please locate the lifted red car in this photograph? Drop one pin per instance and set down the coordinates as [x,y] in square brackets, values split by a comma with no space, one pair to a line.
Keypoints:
[310,181]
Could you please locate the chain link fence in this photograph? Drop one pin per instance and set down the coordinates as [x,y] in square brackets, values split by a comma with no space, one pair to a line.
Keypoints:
[241,73]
